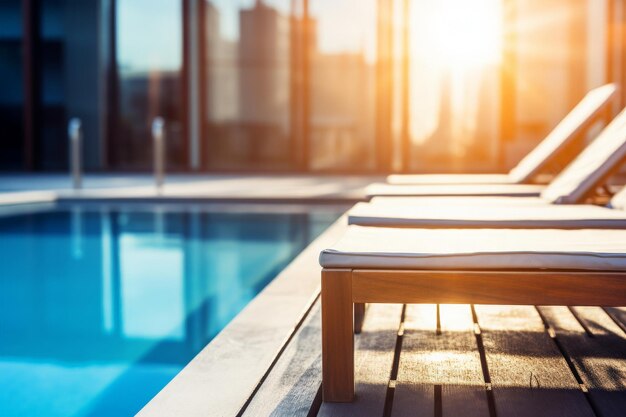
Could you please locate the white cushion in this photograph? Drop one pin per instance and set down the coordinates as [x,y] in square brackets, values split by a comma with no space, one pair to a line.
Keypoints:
[478,249]
[541,216]
[563,133]
[619,200]
[520,190]
[443,179]
[461,201]
[600,158]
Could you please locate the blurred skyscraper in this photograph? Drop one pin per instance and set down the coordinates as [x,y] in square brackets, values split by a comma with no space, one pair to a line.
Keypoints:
[264,66]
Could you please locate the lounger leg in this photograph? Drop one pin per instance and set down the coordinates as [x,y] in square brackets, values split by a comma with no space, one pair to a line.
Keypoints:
[359,316]
[337,336]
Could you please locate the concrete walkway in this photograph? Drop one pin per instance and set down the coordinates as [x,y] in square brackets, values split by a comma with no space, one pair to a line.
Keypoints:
[22,188]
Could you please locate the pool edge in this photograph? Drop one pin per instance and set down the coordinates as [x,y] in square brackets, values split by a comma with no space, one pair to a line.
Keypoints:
[221,379]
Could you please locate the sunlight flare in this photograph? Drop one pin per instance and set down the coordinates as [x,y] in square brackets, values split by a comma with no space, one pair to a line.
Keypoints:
[467,34]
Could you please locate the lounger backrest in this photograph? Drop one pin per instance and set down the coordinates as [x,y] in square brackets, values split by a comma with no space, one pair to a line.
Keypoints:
[562,134]
[597,161]
[619,200]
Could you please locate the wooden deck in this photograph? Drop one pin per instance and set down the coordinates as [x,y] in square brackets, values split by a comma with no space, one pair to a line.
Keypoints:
[411,360]
[461,360]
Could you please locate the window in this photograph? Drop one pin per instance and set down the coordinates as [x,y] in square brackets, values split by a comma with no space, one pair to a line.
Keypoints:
[149,61]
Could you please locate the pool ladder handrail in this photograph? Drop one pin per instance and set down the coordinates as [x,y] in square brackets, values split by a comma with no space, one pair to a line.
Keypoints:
[75,136]
[158,139]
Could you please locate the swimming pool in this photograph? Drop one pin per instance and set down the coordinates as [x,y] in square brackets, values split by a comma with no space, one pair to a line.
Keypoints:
[101,307]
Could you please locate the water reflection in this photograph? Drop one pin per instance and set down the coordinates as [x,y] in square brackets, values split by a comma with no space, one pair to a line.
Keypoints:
[100,309]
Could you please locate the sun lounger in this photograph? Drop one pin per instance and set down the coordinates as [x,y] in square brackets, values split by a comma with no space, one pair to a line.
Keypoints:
[439,214]
[578,180]
[480,266]
[548,150]
[496,190]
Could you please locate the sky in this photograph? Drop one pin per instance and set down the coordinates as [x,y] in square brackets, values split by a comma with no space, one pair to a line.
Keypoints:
[149,34]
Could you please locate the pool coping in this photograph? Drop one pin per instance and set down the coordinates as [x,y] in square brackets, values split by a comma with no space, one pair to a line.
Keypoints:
[224,376]
[135,196]
[27,197]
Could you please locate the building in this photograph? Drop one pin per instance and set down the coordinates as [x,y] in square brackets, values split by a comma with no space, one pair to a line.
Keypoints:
[52,69]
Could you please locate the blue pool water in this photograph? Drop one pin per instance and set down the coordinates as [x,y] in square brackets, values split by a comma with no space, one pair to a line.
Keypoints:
[101,308]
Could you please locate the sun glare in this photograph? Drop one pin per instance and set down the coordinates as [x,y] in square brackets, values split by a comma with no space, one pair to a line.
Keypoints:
[467,34]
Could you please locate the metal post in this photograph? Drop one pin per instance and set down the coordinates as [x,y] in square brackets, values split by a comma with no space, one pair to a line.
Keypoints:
[75,134]
[158,138]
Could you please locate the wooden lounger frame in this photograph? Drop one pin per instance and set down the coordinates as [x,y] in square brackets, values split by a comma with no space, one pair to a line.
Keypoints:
[345,292]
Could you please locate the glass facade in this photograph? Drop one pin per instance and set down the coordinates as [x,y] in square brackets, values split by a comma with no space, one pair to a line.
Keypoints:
[248,50]
[453,85]
[561,53]
[287,85]
[149,82]
[281,93]
[11,82]
[69,80]
[49,72]
[342,84]
[479,74]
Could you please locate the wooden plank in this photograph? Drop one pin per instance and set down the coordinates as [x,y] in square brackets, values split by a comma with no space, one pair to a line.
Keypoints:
[618,314]
[600,360]
[412,397]
[490,287]
[290,388]
[359,316]
[374,356]
[337,336]
[439,370]
[529,376]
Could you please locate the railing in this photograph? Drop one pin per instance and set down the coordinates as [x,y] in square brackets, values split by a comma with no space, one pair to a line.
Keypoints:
[75,135]
[158,138]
